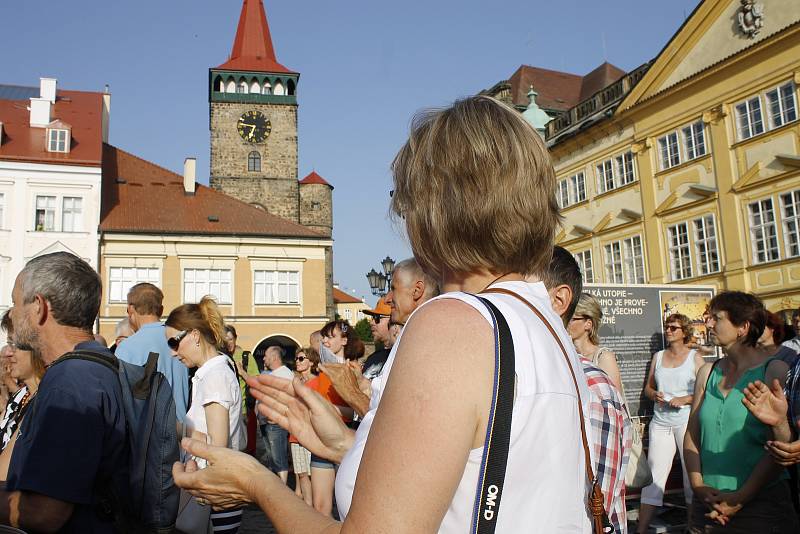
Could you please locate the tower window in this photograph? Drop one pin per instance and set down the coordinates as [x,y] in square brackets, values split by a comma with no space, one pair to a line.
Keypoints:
[254,162]
[242,88]
[267,90]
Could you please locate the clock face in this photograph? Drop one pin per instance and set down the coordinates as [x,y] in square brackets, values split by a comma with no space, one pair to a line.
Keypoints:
[254,127]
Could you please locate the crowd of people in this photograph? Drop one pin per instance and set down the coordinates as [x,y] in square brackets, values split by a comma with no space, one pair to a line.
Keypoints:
[427,433]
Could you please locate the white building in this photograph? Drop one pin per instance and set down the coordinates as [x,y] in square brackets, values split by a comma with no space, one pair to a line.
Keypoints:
[51,149]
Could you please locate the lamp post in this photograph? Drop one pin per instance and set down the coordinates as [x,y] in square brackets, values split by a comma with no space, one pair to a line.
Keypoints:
[380,282]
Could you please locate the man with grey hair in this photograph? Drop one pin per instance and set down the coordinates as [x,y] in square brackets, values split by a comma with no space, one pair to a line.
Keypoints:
[71,455]
[122,332]
[410,288]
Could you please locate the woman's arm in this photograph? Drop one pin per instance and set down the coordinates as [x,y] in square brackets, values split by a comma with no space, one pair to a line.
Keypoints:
[218,424]
[691,442]
[608,363]
[650,386]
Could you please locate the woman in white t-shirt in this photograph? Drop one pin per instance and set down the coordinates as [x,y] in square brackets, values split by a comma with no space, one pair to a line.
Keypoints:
[196,335]
[476,189]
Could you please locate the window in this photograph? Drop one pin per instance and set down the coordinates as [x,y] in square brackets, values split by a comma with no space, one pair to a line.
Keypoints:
[277,287]
[791,222]
[45,214]
[584,260]
[668,147]
[625,261]
[680,258]
[571,190]
[782,106]
[763,233]
[57,141]
[605,173]
[267,89]
[71,215]
[705,245]
[694,141]
[348,314]
[748,118]
[200,282]
[625,168]
[121,279]
[254,162]
[241,88]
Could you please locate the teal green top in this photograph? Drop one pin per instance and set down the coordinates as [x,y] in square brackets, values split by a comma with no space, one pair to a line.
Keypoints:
[731,438]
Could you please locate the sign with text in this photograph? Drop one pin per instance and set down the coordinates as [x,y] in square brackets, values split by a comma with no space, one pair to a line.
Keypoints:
[633,327]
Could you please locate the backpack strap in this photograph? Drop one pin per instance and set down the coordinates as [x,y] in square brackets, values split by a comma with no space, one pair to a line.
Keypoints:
[600,521]
[109,361]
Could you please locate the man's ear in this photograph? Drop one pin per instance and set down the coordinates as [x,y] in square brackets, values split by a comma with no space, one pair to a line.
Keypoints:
[41,309]
[418,290]
[561,298]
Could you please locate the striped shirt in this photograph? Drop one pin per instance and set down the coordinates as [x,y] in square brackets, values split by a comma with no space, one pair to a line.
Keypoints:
[612,438]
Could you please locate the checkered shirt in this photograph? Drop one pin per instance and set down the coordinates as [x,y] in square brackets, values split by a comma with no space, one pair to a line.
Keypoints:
[612,438]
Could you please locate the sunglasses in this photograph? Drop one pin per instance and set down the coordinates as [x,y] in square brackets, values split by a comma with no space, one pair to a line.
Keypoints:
[672,328]
[300,359]
[378,318]
[175,342]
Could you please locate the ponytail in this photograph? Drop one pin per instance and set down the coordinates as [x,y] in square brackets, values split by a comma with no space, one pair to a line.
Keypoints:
[204,317]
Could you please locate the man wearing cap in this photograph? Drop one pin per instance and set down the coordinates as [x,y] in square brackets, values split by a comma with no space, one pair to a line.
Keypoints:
[380,334]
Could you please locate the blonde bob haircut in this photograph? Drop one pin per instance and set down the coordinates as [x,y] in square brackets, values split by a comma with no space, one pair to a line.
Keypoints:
[589,308]
[476,187]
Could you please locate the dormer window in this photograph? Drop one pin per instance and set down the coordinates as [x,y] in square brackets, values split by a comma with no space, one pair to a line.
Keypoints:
[57,140]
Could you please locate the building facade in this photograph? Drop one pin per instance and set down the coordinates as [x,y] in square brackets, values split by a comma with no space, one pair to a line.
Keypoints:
[51,143]
[349,307]
[686,170]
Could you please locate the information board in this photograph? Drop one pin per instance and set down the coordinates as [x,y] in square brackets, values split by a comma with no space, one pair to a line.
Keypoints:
[633,327]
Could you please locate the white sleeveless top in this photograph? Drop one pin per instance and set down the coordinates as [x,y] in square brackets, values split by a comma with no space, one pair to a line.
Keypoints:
[674,382]
[545,486]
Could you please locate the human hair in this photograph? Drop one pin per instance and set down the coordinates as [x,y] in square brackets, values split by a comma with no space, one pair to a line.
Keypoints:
[123,328]
[686,325]
[354,349]
[204,317]
[564,270]
[70,286]
[6,324]
[313,356]
[146,299]
[476,168]
[775,323]
[229,329]
[410,271]
[589,308]
[742,308]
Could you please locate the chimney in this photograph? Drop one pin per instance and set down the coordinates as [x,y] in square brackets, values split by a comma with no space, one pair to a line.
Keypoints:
[47,89]
[189,167]
[106,113]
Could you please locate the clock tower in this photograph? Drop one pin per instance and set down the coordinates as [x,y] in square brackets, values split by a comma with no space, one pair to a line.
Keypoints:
[253,121]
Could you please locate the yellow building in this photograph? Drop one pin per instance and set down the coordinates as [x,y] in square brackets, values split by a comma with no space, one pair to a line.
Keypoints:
[349,307]
[687,169]
[267,273]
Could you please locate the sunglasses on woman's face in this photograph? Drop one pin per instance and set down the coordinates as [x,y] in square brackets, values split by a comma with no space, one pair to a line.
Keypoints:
[175,342]
[672,328]
[300,359]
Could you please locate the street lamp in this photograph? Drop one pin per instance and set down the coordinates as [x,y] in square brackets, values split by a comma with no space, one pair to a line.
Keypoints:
[379,282]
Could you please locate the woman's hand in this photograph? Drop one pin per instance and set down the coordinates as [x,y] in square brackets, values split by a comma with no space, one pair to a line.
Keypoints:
[303,412]
[659,397]
[677,402]
[230,479]
[768,405]
[784,453]
[726,505]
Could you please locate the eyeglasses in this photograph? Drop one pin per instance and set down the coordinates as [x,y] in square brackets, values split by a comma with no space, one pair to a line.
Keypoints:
[300,358]
[580,318]
[11,344]
[672,328]
[175,342]
[378,318]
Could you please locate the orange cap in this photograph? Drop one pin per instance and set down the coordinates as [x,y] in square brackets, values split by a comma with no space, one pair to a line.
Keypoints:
[381,308]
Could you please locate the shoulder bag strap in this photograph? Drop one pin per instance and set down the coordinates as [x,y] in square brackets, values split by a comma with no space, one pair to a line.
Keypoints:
[600,522]
[498,429]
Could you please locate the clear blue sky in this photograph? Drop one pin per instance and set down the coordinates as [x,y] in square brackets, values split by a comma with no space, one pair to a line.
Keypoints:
[366,67]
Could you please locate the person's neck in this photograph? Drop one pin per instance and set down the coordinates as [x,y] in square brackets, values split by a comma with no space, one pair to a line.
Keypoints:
[584,346]
[33,384]
[148,319]
[475,282]
[678,347]
[275,364]
[306,375]
[744,357]
[59,340]
[206,353]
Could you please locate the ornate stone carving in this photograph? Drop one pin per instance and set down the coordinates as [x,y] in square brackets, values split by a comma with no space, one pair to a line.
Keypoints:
[750,17]
[714,115]
[640,146]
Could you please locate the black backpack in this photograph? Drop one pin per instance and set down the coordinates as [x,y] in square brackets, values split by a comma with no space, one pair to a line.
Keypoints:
[153,447]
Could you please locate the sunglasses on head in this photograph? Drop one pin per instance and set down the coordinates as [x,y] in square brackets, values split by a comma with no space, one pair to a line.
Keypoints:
[175,342]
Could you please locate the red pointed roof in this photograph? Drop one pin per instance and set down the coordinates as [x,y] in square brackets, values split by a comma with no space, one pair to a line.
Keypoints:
[315,178]
[252,48]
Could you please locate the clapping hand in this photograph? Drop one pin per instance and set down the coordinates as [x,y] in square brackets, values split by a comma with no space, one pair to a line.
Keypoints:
[768,405]
[314,421]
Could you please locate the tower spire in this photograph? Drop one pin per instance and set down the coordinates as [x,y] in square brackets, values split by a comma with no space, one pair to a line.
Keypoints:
[252,47]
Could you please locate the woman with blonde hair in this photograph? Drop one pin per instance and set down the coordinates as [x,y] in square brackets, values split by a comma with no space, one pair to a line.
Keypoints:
[584,330]
[476,189]
[196,335]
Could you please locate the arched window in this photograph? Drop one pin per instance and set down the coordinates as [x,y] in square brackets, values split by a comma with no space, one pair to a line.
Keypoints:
[278,88]
[290,87]
[254,87]
[254,162]
[267,90]
[242,87]
[230,86]
[219,85]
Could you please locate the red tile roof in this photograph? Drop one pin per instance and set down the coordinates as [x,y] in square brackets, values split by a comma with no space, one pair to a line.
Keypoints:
[252,48]
[315,178]
[340,297]
[141,197]
[560,90]
[82,110]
